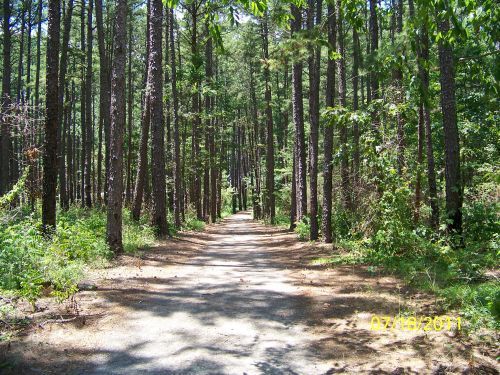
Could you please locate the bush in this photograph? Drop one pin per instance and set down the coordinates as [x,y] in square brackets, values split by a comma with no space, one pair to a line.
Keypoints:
[192,223]
[137,235]
[479,303]
[303,229]
[386,235]
[30,262]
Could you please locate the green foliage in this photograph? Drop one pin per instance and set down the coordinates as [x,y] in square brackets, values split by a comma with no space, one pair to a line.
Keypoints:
[394,233]
[341,222]
[480,303]
[303,229]
[31,263]
[192,223]
[383,232]
[137,235]
[8,198]
[227,196]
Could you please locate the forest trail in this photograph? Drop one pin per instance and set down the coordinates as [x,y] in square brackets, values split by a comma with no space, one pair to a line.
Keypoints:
[235,299]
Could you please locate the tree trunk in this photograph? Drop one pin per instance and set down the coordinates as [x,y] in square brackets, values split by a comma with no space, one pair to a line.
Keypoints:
[155,89]
[451,141]
[6,87]
[326,224]
[177,172]
[374,89]
[62,84]
[344,158]
[51,118]
[104,101]
[63,186]
[142,163]
[398,80]
[257,214]
[298,119]
[420,149]
[83,104]
[213,173]
[28,58]
[293,198]
[221,164]
[206,158]
[69,143]
[20,66]
[88,114]
[314,84]
[423,70]
[355,105]
[270,199]
[233,168]
[38,54]
[195,146]
[168,115]
[128,194]
[115,185]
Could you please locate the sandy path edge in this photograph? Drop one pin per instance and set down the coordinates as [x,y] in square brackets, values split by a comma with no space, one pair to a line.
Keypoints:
[239,298]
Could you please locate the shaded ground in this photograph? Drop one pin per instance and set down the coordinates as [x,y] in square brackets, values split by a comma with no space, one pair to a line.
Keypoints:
[237,299]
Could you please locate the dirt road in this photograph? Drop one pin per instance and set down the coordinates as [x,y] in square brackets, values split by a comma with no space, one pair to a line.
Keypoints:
[236,299]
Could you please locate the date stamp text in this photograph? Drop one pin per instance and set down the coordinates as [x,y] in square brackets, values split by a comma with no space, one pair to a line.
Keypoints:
[415,323]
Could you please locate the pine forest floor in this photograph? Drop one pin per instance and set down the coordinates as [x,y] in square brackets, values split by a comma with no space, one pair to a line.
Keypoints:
[239,298]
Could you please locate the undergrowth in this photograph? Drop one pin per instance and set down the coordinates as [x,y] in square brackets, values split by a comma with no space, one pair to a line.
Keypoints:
[192,223]
[464,278]
[459,277]
[31,264]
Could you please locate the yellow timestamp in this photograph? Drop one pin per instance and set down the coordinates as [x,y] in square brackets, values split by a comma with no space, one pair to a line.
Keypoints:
[414,323]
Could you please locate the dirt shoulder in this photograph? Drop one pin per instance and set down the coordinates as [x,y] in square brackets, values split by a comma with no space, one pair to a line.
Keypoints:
[86,309]
[345,298]
[238,297]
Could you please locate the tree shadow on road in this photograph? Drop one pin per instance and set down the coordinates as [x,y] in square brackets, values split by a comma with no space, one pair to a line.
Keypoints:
[228,300]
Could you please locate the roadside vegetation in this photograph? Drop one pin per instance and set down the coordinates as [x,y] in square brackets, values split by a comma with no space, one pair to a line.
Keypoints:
[463,278]
[32,262]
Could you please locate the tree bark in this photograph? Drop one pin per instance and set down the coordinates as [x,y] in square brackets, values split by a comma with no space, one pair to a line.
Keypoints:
[115,185]
[293,198]
[38,53]
[104,102]
[326,223]
[207,129]
[195,145]
[20,66]
[88,114]
[128,190]
[314,84]
[398,80]
[355,105]
[83,104]
[28,58]
[51,118]
[177,172]
[270,199]
[69,142]
[420,151]
[155,89]
[63,68]
[374,83]
[211,130]
[344,158]
[451,139]
[6,87]
[257,214]
[422,44]
[298,119]
[142,163]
